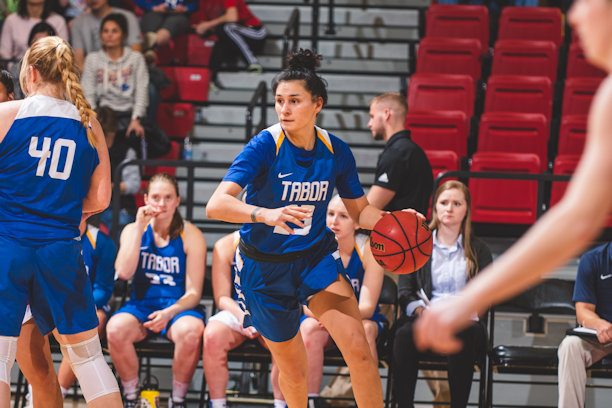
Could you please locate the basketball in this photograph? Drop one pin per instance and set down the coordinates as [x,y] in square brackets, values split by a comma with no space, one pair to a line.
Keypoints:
[400,242]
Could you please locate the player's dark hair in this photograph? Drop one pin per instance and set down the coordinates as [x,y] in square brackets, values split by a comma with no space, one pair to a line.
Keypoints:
[466,226]
[41,27]
[118,19]
[302,66]
[22,9]
[107,118]
[7,80]
[177,223]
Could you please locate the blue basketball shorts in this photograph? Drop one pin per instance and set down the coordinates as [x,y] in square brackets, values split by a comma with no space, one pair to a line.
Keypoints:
[51,276]
[141,309]
[272,293]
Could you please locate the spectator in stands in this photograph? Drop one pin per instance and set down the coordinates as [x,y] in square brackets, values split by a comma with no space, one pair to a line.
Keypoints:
[99,253]
[240,34]
[403,178]
[7,92]
[119,151]
[40,30]
[456,258]
[224,330]
[17,27]
[366,278]
[593,311]
[85,30]
[163,20]
[117,76]
[166,258]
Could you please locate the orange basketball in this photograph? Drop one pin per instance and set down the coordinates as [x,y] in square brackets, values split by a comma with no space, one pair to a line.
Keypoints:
[400,242]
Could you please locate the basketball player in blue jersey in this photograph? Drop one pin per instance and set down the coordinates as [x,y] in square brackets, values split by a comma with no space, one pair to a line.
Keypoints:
[224,331]
[286,255]
[99,253]
[567,228]
[366,278]
[54,172]
[166,258]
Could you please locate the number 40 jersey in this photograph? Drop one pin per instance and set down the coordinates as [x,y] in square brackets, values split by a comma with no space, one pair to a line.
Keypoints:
[46,164]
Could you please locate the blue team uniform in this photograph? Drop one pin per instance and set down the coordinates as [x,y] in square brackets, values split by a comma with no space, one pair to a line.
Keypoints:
[276,272]
[159,280]
[46,164]
[355,272]
[99,252]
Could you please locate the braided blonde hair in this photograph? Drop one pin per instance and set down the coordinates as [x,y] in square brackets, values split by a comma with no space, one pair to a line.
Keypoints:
[52,57]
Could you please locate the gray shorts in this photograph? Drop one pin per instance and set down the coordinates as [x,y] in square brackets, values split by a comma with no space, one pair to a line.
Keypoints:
[175,23]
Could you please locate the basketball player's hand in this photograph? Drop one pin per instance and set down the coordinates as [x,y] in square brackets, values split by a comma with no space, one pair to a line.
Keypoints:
[294,214]
[145,214]
[436,327]
[158,320]
[418,214]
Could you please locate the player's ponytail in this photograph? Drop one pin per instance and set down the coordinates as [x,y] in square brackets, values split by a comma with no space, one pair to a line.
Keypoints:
[177,223]
[302,65]
[52,57]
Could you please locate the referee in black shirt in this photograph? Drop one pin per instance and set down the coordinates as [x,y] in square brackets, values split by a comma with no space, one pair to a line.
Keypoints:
[403,174]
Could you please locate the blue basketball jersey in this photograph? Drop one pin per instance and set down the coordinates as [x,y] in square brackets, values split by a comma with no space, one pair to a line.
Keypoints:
[99,252]
[161,271]
[355,270]
[276,173]
[46,163]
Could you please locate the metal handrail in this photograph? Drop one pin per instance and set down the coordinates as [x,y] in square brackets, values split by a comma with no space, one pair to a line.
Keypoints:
[292,29]
[258,99]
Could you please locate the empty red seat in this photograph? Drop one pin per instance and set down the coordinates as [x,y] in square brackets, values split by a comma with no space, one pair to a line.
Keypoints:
[531,23]
[187,84]
[442,161]
[578,95]
[504,201]
[516,133]
[439,130]
[565,164]
[572,134]
[525,57]
[458,21]
[440,55]
[514,93]
[173,154]
[578,66]
[441,92]
[176,119]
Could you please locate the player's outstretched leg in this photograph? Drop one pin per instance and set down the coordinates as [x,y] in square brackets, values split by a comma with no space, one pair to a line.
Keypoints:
[290,357]
[97,381]
[336,307]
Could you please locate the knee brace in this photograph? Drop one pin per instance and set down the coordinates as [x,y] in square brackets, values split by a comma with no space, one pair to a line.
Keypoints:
[8,351]
[88,364]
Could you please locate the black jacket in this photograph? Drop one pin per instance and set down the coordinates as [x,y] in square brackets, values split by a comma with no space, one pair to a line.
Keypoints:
[409,284]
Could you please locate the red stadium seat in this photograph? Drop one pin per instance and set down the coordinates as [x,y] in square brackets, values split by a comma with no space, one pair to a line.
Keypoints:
[515,133]
[441,92]
[572,134]
[458,21]
[439,130]
[531,23]
[525,57]
[578,95]
[442,161]
[504,201]
[578,66]
[173,154]
[186,49]
[187,84]
[439,55]
[176,119]
[513,93]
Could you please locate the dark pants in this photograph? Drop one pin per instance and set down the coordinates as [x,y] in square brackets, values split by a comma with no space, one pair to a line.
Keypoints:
[234,41]
[460,365]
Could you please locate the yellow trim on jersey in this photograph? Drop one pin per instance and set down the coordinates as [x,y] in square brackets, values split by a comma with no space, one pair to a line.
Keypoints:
[91,239]
[324,137]
[279,141]
[358,251]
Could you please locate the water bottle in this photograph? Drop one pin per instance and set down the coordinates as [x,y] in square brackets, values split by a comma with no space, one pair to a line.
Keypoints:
[149,396]
[187,148]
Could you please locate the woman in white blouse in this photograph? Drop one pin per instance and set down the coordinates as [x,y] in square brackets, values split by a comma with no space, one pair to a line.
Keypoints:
[457,257]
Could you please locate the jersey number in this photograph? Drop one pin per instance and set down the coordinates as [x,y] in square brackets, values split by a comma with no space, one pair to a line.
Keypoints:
[298,231]
[160,279]
[45,152]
